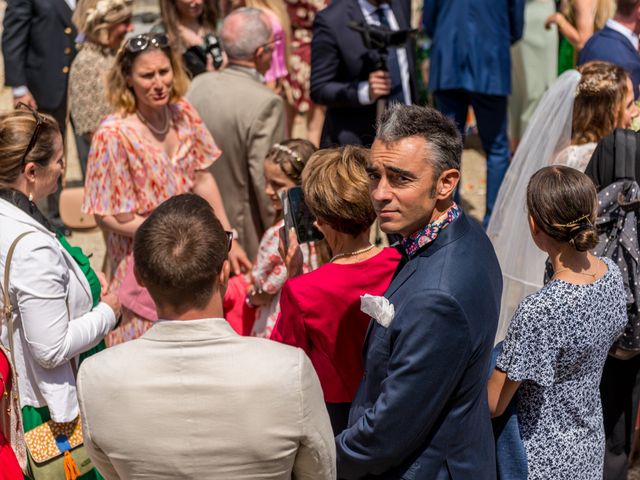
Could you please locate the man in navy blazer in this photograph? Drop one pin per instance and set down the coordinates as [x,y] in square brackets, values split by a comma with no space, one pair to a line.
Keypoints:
[471,65]
[344,74]
[617,42]
[421,409]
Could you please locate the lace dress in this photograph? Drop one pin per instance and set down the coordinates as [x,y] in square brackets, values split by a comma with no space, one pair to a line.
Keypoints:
[576,156]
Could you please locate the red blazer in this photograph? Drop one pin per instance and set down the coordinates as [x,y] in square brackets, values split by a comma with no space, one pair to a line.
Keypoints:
[320,313]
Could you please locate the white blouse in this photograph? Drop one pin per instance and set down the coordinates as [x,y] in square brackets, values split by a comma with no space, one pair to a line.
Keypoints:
[53,318]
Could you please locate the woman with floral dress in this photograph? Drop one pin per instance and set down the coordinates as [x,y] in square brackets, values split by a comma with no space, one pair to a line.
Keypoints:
[154,147]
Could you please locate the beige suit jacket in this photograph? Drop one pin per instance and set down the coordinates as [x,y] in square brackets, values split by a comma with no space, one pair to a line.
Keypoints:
[245,119]
[192,399]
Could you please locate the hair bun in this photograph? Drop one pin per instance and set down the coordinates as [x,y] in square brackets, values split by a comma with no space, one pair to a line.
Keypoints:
[585,238]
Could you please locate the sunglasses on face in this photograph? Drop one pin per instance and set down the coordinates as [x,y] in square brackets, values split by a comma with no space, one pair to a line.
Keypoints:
[36,131]
[229,240]
[142,42]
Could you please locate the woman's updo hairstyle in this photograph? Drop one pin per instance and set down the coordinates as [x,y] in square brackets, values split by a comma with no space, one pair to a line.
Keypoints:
[336,188]
[563,203]
[94,17]
[291,156]
[16,130]
[599,105]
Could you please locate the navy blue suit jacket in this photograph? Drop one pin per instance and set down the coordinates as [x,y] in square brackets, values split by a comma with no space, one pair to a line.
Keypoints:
[471,43]
[613,47]
[339,62]
[38,44]
[421,410]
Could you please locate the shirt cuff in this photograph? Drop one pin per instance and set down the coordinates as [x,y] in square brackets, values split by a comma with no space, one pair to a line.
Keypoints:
[20,91]
[107,312]
[363,93]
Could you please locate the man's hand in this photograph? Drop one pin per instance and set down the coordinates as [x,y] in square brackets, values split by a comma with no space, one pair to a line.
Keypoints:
[379,84]
[27,99]
[238,258]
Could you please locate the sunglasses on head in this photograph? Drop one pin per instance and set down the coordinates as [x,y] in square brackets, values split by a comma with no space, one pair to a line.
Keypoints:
[36,131]
[142,42]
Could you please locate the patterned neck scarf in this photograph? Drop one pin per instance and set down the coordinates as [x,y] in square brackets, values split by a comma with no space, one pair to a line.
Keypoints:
[429,233]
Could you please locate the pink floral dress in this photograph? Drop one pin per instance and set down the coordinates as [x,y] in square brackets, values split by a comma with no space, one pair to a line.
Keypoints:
[128,174]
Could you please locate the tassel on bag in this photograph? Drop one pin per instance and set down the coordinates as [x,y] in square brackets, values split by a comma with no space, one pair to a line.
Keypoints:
[71,470]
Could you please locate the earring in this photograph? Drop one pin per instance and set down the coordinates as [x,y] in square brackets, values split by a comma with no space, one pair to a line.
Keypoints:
[31,197]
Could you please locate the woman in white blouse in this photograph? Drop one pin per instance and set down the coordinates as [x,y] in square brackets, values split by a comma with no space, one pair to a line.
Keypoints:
[59,311]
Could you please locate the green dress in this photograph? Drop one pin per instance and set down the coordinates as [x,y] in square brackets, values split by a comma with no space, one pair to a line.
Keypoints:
[33,416]
[566,56]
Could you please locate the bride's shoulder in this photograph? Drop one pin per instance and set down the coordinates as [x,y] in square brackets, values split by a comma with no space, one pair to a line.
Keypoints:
[575,156]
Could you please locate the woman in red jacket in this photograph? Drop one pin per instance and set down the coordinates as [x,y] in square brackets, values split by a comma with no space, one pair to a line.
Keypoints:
[320,311]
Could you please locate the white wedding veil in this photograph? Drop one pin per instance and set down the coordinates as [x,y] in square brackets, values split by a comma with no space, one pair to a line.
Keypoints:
[522,263]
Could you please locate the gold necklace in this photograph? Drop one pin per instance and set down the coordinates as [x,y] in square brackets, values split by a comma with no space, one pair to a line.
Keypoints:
[592,275]
[352,254]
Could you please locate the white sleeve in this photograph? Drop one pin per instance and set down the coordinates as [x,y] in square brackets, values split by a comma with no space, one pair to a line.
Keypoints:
[363,93]
[39,280]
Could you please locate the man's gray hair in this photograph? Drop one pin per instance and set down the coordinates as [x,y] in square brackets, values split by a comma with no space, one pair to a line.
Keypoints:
[242,36]
[443,138]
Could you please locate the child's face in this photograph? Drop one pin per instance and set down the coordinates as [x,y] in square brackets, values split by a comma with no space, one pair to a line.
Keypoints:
[276,181]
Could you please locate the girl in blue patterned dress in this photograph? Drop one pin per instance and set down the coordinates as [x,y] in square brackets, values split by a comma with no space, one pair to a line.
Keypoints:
[559,337]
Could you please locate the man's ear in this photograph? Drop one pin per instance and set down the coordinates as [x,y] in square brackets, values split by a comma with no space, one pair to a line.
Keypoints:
[223,276]
[447,183]
[137,276]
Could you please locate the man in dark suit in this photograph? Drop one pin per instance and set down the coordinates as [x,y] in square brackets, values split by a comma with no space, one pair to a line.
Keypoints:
[617,42]
[421,410]
[345,75]
[38,45]
[471,65]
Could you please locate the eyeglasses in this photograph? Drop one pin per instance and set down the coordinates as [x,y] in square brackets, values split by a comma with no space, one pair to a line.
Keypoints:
[277,39]
[36,130]
[229,240]
[143,41]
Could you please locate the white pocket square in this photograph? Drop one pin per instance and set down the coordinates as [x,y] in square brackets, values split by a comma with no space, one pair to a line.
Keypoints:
[378,308]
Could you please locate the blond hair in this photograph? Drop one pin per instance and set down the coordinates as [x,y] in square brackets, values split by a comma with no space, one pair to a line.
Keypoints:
[94,17]
[336,188]
[121,96]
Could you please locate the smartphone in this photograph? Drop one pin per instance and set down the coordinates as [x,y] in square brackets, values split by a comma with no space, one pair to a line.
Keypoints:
[298,216]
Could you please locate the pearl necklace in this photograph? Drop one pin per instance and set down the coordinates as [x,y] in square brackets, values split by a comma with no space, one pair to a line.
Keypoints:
[352,254]
[158,131]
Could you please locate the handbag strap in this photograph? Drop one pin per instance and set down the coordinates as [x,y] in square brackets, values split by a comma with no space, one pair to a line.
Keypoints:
[8,308]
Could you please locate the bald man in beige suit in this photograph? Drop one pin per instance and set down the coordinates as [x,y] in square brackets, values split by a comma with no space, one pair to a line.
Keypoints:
[191,399]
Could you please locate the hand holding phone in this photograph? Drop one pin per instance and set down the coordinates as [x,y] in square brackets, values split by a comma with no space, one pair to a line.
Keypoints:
[291,254]
[298,216]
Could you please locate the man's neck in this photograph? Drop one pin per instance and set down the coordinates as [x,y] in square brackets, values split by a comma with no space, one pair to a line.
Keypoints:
[629,23]
[212,310]
[243,63]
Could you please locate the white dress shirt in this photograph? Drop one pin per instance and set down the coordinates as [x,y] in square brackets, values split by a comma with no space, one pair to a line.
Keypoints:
[368,10]
[628,33]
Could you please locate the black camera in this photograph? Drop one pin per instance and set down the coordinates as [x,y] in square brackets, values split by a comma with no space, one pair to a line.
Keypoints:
[213,47]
